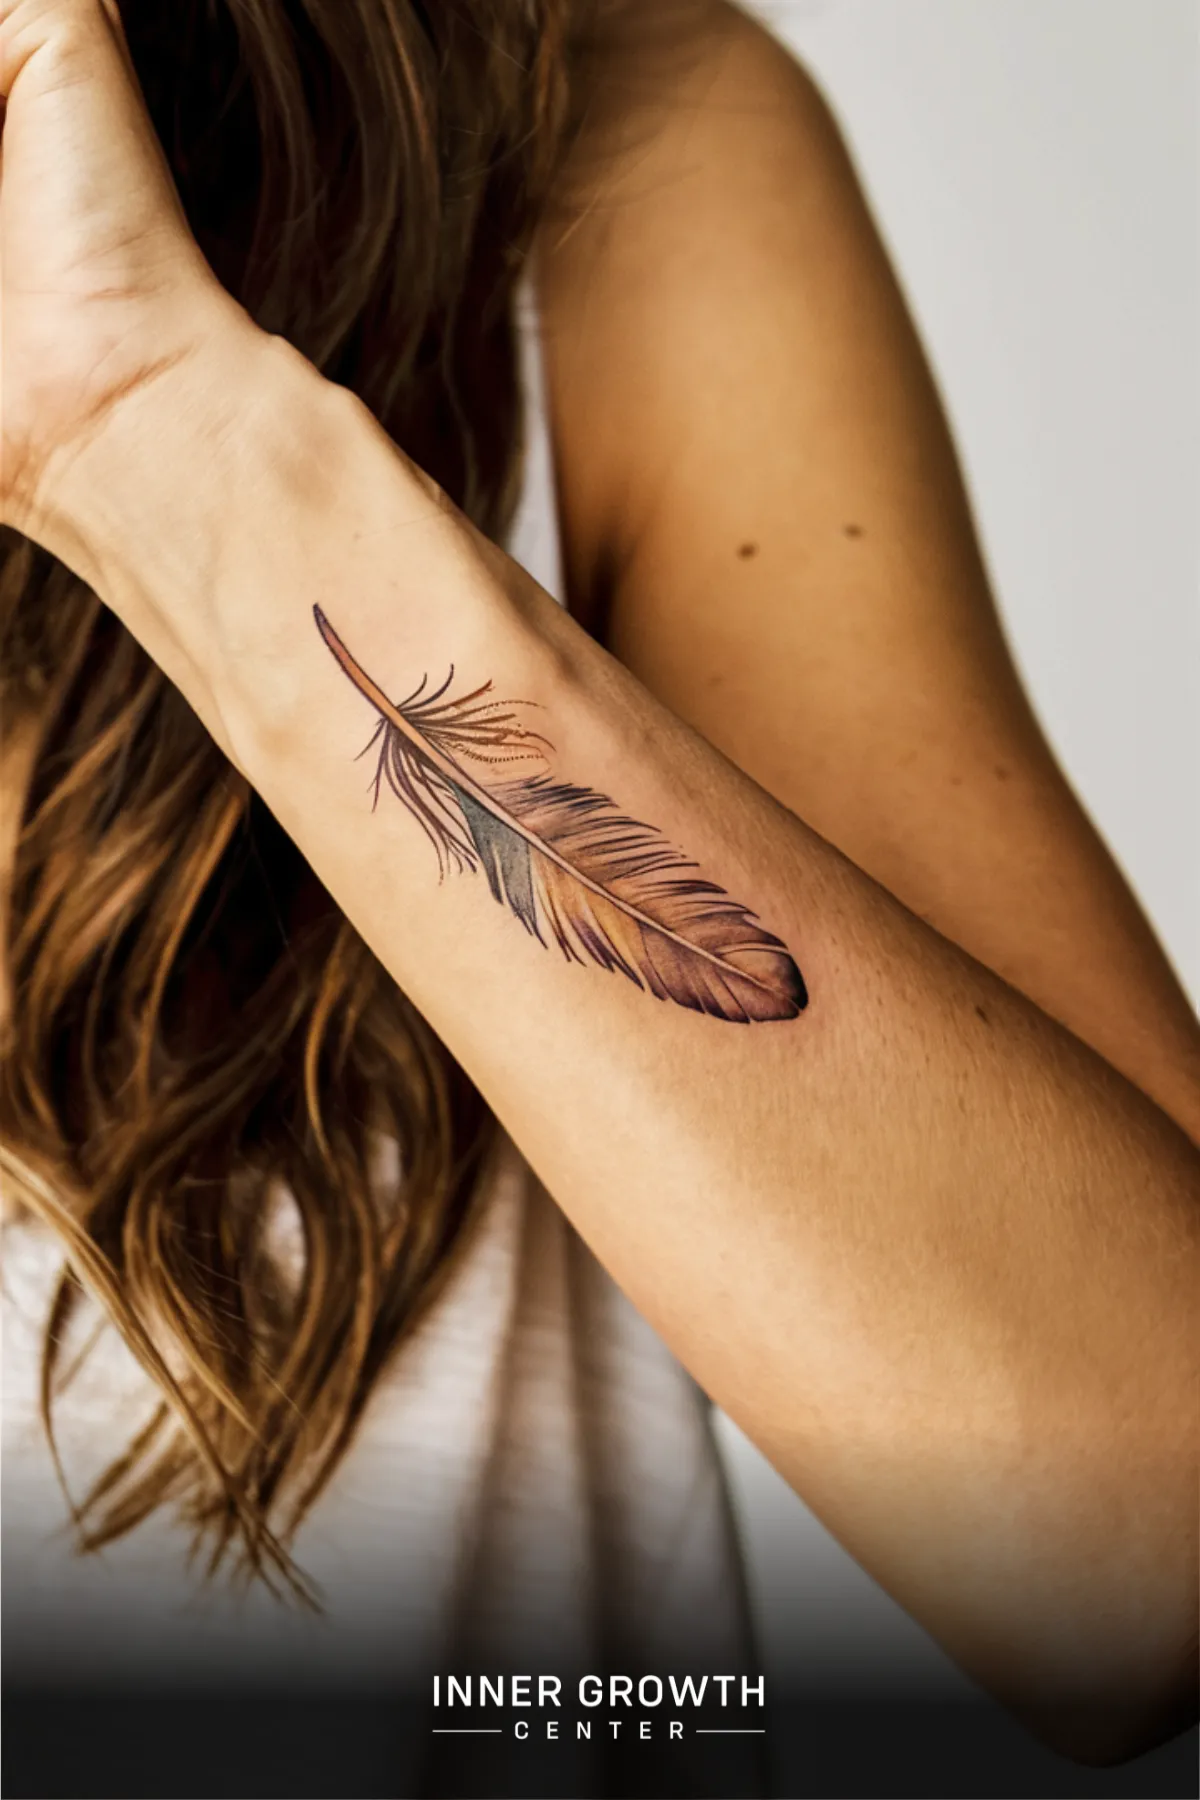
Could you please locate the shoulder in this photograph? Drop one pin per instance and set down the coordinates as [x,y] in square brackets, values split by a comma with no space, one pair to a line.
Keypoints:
[683,111]
[707,219]
[645,76]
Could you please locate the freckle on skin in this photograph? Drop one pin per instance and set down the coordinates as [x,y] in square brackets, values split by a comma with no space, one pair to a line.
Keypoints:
[981,1014]
[747,550]
[1000,772]
[852,530]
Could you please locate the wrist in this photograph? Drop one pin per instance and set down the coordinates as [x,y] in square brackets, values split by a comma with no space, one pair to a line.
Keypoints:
[222,499]
[106,499]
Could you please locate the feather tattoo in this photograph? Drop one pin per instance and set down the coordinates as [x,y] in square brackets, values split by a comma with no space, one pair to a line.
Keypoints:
[573,868]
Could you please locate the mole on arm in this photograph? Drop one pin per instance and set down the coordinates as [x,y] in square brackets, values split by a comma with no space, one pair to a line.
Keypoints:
[747,550]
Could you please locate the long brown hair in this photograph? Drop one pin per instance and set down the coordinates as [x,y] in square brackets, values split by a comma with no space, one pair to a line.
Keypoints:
[193,1028]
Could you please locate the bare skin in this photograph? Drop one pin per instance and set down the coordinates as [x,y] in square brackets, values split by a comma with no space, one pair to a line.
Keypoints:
[932,1240]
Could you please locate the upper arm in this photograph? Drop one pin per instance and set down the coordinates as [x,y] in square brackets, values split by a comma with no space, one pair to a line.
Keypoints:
[764,518]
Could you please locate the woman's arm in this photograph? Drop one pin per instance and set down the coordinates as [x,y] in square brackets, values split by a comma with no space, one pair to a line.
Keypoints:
[933,1253]
[930,1251]
[766,521]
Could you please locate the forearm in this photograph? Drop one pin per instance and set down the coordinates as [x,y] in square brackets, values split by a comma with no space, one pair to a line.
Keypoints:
[933,1254]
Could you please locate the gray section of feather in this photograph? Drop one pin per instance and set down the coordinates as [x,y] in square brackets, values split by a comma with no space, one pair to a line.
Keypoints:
[505,857]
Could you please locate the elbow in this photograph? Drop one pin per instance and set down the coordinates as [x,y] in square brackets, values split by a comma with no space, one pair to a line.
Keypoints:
[1106,1733]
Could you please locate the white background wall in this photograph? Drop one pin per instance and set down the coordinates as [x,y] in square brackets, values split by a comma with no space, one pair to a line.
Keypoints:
[1033,167]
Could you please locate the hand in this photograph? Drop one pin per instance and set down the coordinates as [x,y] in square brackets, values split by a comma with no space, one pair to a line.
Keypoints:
[102,286]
